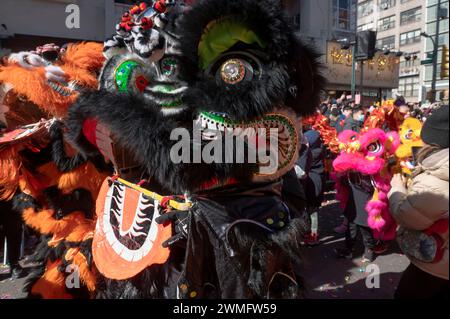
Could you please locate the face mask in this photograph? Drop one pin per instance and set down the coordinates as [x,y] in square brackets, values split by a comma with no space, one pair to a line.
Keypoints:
[362,118]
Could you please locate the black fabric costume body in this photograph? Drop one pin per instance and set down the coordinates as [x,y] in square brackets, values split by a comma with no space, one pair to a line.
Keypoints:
[238,239]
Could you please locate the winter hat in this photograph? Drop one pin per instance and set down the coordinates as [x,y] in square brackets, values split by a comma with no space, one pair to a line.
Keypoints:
[435,129]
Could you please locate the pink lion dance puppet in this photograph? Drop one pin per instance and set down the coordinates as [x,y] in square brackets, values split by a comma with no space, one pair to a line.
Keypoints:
[369,154]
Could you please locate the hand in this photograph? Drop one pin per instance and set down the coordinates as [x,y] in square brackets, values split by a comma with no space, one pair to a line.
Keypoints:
[180,220]
[398,181]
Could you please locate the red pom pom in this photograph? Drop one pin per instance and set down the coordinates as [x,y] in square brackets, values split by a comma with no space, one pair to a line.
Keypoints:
[135,10]
[126,17]
[129,26]
[146,23]
[143,6]
[160,7]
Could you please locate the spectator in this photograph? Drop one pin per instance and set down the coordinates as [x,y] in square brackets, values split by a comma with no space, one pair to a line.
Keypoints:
[361,191]
[12,228]
[314,182]
[346,112]
[335,120]
[355,121]
[421,210]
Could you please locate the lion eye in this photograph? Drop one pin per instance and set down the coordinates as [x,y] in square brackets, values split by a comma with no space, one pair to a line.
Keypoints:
[409,135]
[374,147]
[170,66]
[236,67]
[233,71]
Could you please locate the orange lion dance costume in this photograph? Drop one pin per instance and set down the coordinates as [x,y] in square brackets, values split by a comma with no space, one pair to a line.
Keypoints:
[51,186]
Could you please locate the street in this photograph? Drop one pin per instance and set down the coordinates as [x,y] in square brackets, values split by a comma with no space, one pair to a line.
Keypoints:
[330,278]
[326,277]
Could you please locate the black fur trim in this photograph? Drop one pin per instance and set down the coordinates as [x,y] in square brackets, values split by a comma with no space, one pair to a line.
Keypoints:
[270,254]
[65,204]
[63,162]
[23,201]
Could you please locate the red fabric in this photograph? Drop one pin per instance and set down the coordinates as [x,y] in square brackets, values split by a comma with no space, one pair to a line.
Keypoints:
[440,227]
[89,130]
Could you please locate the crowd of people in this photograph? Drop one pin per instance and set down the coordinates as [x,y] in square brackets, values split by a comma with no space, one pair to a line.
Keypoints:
[418,200]
[86,166]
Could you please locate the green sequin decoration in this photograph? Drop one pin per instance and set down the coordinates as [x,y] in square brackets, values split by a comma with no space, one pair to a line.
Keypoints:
[123,74]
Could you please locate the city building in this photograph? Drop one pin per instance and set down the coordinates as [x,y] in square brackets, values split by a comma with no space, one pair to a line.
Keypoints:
[25,24]
[399,24]
[326,24]
[432,15]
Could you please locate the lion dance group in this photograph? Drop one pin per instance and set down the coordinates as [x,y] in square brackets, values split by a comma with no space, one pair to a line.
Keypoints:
[86,155]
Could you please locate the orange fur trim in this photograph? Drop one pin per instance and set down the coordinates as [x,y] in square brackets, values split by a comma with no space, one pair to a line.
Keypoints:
[52,285]
[33,85]
[80,63]
[49,174]
[86,56]
[87,276]
[85,176]
[61,229]
[44,223]
[9,172]
[82,232]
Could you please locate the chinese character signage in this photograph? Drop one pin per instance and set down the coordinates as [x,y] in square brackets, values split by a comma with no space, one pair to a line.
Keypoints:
[380,72]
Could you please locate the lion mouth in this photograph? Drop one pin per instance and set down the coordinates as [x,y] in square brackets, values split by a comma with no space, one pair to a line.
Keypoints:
[168,96]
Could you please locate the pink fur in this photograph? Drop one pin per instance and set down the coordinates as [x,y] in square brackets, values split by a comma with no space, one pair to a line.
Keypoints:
[396,141]
[369,161]
[346,136]
[347,162]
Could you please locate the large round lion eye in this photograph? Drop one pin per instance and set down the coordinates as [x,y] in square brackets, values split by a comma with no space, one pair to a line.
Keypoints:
[233,71]
[374,147]
[236,67]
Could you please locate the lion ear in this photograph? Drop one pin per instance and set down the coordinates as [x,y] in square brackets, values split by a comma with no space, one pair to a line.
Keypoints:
[307,82]
[392,142]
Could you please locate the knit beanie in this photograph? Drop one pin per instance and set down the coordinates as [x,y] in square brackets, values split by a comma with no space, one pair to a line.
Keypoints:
[435,129]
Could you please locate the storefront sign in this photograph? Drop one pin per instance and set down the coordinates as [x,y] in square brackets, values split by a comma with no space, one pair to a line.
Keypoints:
[380,72]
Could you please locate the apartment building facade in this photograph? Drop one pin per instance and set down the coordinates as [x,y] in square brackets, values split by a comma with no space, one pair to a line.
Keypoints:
[325,24]
[432,15]
[399,24]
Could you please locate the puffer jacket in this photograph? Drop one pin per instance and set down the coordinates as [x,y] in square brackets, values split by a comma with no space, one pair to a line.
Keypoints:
[423,206]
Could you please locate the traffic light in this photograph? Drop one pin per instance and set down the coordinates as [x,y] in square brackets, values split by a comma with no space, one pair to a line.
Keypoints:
[444,63]
[366,45]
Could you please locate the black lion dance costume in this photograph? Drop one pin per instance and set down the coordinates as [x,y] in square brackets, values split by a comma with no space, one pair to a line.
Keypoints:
[172,224]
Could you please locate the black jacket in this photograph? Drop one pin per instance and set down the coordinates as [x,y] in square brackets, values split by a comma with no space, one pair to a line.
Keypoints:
[352,124]
[360,192]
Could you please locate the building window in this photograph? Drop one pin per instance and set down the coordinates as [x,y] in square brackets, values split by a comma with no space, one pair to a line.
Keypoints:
[386,43]
[343,14]
[409,87]
[364,27]
[411,16]
[386,23]
[410,37]
[386,4]
[365,8]
[432,10]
